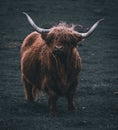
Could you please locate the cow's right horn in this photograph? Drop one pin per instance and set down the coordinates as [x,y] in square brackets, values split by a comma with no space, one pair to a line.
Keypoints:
[38,29]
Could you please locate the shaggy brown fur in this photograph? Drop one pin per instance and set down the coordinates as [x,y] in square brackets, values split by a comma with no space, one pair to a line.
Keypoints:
[45,67]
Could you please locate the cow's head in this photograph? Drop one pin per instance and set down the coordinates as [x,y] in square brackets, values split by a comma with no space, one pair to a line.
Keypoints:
[62,38]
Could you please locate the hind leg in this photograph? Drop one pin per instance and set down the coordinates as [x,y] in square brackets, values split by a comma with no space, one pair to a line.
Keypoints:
[36,92]
[28,91]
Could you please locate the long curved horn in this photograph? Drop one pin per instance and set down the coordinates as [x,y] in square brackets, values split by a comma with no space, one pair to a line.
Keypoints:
[38,29]
[91,30]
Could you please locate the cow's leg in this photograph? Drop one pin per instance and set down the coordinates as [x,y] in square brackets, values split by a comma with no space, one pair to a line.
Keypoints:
[70,96]
[71,106]
[28,91]
[36,92]
[52,99]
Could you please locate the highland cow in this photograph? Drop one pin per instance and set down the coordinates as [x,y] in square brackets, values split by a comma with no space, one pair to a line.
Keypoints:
[50,61]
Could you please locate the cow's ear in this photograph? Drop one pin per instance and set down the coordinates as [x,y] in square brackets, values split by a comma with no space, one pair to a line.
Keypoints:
[44,36]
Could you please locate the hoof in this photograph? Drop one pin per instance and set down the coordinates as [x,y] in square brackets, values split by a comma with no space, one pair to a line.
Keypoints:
[71,108]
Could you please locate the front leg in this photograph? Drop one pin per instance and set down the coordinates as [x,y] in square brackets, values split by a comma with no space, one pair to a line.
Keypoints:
[52,100]
[71,105]
[70,95]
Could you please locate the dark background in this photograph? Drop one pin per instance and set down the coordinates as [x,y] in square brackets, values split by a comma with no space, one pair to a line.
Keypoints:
[97,94]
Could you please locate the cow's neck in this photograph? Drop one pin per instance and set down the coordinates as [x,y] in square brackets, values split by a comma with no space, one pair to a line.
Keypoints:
[63,61]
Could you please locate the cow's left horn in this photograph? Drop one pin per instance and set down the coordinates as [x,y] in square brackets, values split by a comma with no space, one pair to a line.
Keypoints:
[38,29]
[91,30]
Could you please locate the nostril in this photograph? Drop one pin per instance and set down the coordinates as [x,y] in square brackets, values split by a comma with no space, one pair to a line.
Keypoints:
[58,50]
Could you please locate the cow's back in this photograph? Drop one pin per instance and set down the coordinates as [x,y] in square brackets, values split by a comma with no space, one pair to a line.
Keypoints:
[33,39]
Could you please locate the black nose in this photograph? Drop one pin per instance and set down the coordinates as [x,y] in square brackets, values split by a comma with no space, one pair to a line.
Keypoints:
[58,50]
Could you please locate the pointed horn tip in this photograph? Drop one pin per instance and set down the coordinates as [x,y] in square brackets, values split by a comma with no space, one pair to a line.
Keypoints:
[100,20]
[25,13]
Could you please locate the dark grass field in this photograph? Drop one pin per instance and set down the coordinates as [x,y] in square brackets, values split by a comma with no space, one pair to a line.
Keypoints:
[97,94]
